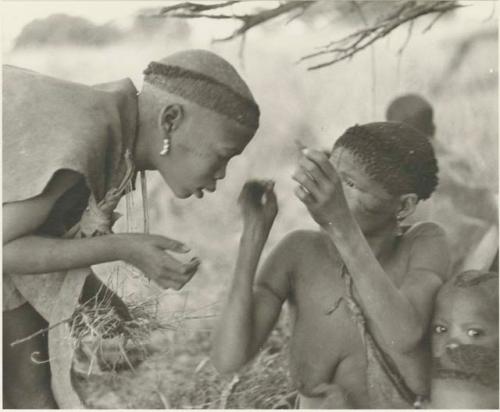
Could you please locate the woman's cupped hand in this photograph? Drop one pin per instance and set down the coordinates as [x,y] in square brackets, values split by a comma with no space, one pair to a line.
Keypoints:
[150,254]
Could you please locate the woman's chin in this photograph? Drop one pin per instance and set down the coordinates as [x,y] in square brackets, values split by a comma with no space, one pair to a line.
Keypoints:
[181,193]
[184,194]
[198,193]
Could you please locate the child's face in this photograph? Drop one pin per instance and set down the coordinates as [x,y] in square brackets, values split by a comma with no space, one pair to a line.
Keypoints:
[371,205]
[465,337]
[463,317]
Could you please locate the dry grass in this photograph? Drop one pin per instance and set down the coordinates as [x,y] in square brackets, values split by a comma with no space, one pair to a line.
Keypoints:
[177,373]
[104,340]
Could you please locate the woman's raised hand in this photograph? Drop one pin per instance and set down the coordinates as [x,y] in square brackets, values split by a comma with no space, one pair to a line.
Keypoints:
[258,204]
[320,187]
[148,254]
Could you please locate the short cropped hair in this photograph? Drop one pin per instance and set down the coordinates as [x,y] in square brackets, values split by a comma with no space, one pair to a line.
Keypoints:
[394,154]
[208,80]
[413,110]
[486,283]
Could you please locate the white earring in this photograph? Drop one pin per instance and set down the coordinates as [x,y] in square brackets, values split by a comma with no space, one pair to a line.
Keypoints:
[166,146]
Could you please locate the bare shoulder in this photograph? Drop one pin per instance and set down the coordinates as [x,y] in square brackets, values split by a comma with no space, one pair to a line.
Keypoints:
[428,250]
[295,254]
[424,229]
[296,248]
[300,243]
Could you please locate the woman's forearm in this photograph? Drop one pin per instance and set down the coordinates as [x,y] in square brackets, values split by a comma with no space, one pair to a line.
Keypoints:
[378,294]
[233,342]
[36,254]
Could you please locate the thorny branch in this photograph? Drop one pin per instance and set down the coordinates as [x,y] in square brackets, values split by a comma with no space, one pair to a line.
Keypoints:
[353,43]
[337,50]
[196,7]
[249,21]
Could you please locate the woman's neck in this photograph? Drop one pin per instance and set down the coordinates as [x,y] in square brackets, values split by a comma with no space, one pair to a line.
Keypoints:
[145,138]
[381,242]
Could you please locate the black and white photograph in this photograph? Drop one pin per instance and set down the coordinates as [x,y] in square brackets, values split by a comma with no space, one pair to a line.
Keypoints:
[250,204]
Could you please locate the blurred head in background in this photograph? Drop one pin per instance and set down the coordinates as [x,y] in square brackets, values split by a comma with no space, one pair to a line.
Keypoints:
[386,168]
[195,114]
[465,342]
[414,110]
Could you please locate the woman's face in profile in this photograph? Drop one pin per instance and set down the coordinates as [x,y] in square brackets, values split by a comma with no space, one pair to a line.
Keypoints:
[201,149]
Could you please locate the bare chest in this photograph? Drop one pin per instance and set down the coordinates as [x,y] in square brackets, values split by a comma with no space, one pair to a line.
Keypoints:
[326,344]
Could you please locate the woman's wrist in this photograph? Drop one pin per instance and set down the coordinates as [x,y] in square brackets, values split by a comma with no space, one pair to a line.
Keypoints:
[118,246]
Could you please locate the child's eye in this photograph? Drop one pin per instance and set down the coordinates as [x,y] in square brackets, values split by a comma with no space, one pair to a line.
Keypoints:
[439,329]
[474,333]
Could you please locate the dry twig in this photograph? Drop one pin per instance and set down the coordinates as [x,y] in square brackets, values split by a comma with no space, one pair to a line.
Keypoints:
[337,50]
[228,390]
[353,43]
[249,21]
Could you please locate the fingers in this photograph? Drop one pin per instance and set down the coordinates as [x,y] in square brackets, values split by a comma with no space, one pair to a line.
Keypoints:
[311,169]
[304,195]
[175,275]
[170,244]
[269,195]
[165,283]
[322,161]
[169,283]
[256,191]
[316,176]
[309,189]
[176,270]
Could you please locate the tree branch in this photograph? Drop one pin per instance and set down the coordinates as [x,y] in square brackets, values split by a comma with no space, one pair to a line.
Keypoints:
[352,44]
[249,21]
[338,50]
[189,7]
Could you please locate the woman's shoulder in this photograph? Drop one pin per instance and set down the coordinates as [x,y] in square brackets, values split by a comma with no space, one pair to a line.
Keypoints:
[423,229]
[427,245]
[303,237]
[301,242]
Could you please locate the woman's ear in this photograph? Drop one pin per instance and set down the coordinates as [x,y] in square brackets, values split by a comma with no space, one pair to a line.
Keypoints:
[407,205]
[170,117]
